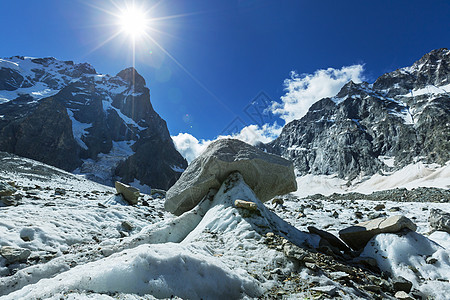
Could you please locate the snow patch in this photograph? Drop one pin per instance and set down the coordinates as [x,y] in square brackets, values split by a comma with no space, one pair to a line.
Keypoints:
[78,129]
[127,120]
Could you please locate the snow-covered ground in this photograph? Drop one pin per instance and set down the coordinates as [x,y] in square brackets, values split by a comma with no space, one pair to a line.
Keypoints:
[86,243]
[409,177]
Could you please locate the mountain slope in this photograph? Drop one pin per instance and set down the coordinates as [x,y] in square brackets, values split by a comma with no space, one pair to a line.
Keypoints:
[68,116]
[403,117]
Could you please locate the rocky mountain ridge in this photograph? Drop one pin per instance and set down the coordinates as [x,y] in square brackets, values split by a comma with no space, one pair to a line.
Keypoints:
[403,117]
[69,116]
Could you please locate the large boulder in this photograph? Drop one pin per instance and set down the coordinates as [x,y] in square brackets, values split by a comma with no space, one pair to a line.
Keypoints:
[267,174]
[358,235]
[439,220]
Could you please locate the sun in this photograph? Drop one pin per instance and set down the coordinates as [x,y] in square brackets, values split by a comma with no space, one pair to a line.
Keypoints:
[133,21]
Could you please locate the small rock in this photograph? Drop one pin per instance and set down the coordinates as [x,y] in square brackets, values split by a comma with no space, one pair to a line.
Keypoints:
[403,295]
[311,266]
[8,200]
[330,290]
[129,193]
[439,220]
[394,209]
[101,205]
[335,214]
[372,288]
[358,214]
[145,203]
[431,260]
[245,204]
[60,191]
[402,284]
[293,251]
[379,207]
[278,202]
[127,226]
[338,275]
[6,189]
[12,254]
[333,240]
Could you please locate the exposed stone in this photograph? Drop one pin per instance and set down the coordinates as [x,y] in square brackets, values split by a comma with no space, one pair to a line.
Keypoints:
[127,226]
[402,284]
[60,191]
[439,220]
[330,290]
[358,235]
[403,296]
[8,200]
[129,193]
[431,260]
[13,254]
[332,239]
[295,252]
[266,174]
[6,189]
[245,204]
[379,207]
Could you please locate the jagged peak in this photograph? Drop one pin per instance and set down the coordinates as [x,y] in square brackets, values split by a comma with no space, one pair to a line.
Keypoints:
[131,76]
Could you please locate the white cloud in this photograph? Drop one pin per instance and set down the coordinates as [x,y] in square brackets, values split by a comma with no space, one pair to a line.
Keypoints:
[305,89]
[190,147]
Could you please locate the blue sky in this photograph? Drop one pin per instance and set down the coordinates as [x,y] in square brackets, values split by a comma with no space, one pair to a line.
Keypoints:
[227,52]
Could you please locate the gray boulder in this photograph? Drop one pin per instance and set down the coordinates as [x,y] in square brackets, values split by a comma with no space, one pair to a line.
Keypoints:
[12,254]
[439,220]
[358,235]
[268,175]
[129,193]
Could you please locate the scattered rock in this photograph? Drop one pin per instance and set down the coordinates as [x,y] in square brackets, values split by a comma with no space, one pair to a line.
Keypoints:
[379,207]
[333,240]
[129,193]
[431,260]
[6,189]
[394,209]
[13,254]
[9,200]
[266,174]
[295,252]
[439,220]
[338,275]
[127,226]
[278,202]
[330,290]
[60,191]
[245,204]
[372,288]
[402,284]
[358,214]
[357,236]
[403,295]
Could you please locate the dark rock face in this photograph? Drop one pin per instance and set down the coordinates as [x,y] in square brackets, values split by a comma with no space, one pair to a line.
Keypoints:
[73,118]
[402,118]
